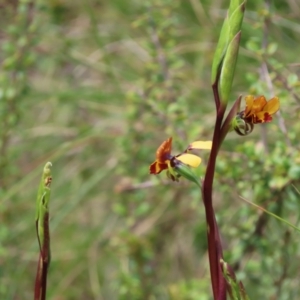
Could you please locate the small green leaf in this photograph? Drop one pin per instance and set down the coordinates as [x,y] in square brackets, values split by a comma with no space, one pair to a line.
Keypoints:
[231,26]
[253,44]
[292,79]
[42,186]
[186,172]
[228,68]
[233,6]
[236,20]
[236,289]
[220,51]
[272,48]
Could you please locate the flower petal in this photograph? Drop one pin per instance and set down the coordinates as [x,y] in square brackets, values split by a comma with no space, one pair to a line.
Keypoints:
[164,151]
[272,106]
[249,103]
[259,110]
[156,167]
[200,145]
[259,103]
[189,159]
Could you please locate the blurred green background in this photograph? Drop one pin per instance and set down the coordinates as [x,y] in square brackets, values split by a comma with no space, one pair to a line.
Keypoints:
[95,87]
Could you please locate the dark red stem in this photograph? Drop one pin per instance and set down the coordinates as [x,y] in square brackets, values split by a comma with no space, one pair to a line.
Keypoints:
[40,288]
[215,252]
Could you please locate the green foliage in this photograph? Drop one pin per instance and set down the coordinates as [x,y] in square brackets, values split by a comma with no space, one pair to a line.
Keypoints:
[95,87]
[236,289]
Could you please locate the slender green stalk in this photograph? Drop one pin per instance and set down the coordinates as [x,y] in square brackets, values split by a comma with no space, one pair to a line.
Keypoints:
[43,234]
[271,214]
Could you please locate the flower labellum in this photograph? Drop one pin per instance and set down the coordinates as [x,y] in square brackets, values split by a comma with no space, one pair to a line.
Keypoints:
[163,156]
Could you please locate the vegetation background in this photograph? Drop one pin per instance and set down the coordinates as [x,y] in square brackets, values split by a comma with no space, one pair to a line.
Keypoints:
[94,87]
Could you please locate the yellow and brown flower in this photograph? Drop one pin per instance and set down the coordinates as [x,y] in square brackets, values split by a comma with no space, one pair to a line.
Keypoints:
[166,161]
[259,110]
